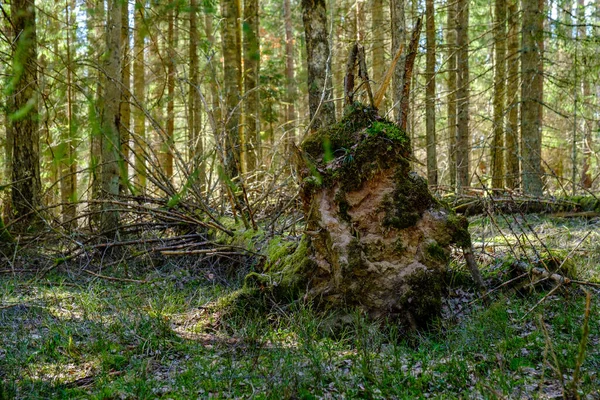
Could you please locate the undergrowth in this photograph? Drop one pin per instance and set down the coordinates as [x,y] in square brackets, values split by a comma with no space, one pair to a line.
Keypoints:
[77,336]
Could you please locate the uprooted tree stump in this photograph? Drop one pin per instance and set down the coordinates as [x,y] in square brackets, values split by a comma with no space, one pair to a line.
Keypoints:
[375,238]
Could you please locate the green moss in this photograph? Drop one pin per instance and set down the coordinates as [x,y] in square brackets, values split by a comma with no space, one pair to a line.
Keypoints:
[343,205]
[243,303]
[436,252]
[390,130]
[458,226]
[408,202]
[424,298]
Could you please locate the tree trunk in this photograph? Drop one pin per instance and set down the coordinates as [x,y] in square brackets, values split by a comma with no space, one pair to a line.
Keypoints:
[586,174]
[451,108]
[196,148]
[320,91]
[463,175]
[251,83]
[499,92]
[531,95]
[126,95]
[68,179]
[168,141]
[111,118]
[398,24]
[378,48]
[230,12]
[139,91]
[95,23]
[22,89]
[290,109]
[512,97]
[432,171]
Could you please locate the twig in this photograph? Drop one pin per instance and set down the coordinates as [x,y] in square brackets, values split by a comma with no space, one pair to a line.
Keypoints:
[112,278]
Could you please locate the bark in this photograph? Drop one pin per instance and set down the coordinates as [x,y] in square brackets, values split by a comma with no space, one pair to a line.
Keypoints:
[126,94]
[251,82]
[139,91]
[499,93]
[398,24]
[167,141]
[512,98]
[586,174]
[230,12]
[68,163]
[378,48]
[432,171]
[196,148]
[451,106]
[532,95]
[290,109]
[320,91]
[23,118]
[463,176]
[111,117]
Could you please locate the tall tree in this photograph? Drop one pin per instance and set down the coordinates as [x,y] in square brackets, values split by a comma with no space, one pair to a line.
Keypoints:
[290,109]
[251,81]
[195,116]
[451,105]
[68,181]
[320,91]
[499,93]
[23,117]
[126,92]
[232,70]
[586,175]
[463,176]
[532,52]
[110,117]
[512,97]
[139,91]
[378,48]
[432,171]
[398,24]
[168,140]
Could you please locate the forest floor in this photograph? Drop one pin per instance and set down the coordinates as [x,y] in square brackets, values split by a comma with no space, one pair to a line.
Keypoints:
[72,335]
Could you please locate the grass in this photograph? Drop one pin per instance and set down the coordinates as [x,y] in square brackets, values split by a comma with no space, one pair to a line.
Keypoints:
[69,336]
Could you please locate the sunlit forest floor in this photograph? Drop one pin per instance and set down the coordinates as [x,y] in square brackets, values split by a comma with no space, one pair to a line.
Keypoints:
[72,335]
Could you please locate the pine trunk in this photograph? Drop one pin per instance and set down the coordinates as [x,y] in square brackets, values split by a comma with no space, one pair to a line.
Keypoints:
[432,172]
[251,82]
[139,90]
[531,95]
[290,109]
[398,24]
[196,148]
[463,176]
[499,93]
[512,98]
[320,91]
[168,141]
[451,106]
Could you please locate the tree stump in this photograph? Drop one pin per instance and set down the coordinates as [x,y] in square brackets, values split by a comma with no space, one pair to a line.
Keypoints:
[378,239]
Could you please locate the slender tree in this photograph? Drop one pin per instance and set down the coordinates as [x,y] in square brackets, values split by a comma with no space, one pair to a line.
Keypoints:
[196,148]
[499,93]
[139,91]
[290,109]
[432,171]
[451,105]
[463,176]
[512,97]
[251,81]
[378,47]
[23,116]
[586,176]
[532,50]
[232,69]
[320,104]
[167,141]
[126,93]
[398,24]
[110,117]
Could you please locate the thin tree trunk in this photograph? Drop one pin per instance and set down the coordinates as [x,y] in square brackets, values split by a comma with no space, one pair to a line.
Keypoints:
[290,109]
[22,89]
[586,175]
[167,143]
[462,107]
[432,171]
[251,82]
[140,143]
[68,181]
[499,93]
[126,95]
[196,148]
[320,91]
[111,117]
[378,48]
[531,95]
[512,98]
[230,12]
[398,24]
[451,109]
[95,23]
